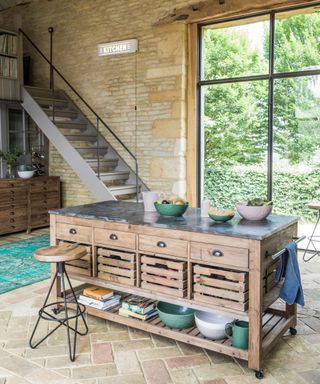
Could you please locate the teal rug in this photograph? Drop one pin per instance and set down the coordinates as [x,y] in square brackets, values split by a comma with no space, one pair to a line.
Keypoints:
[18,267]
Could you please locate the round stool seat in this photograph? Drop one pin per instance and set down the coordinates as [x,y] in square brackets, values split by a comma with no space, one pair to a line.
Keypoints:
[60,253]
[314,205]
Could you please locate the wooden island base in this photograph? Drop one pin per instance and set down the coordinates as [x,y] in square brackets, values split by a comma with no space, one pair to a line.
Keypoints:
[199,268]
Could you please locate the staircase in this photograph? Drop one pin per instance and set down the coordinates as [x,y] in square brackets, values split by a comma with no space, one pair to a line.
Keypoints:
[93,159]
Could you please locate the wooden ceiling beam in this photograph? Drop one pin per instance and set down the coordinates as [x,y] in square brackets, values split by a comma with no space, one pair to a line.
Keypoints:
[214,9]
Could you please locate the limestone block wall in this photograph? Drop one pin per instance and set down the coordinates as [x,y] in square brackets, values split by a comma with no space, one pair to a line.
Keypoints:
[153,80]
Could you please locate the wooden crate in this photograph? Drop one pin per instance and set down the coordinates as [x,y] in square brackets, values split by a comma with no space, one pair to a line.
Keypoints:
[81,266]
[222,287]
[164,275]
[117,266]
[269,281]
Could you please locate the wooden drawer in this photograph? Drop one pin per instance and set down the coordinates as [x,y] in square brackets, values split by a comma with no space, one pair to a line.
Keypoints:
[46,185]
[14,225]
[117,266]
[8,184]
[221,287]
[114,238]
[81,266]
[164,275]
[74,233]
[39,220]
[39,196]
[163,245]
[13,213]
[220,254]
[13,195]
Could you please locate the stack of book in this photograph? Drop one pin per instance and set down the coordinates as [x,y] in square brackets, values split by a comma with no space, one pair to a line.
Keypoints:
[138,307]
[99,298]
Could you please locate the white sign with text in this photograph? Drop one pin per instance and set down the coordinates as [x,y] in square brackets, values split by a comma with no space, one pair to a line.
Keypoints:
[118,47]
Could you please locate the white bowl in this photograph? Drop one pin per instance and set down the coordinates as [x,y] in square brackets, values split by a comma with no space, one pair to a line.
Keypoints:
[25,174]
[252,212]
[211,325]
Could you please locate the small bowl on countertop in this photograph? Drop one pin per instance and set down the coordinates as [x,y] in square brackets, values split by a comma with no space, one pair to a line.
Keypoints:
[175,210]
[25,174]
[175,316]
[254,213]
[221,215]
[212,325]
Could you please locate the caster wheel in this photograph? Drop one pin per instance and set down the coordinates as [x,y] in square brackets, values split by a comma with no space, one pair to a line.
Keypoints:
[293,331]
[259,375]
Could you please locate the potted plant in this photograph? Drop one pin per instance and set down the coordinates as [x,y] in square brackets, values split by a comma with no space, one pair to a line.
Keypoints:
[10,157]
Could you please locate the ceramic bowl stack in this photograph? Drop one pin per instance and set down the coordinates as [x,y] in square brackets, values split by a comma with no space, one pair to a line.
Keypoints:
[175,316]
[212,325]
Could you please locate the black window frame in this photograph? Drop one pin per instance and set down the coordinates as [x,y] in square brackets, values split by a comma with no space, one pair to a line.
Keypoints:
[270,77]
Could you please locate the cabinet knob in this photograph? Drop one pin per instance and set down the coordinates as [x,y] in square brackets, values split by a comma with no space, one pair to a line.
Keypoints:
[217,253]
[161,244]
[113,236]
[72,231]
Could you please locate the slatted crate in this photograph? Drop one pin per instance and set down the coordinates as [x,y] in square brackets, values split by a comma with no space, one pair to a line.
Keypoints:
[117,266]
[164,275]
[81,266]
[269,281]
[221,287]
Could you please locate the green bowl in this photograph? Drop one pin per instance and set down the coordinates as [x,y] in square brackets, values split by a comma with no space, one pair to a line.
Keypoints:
[175,316]
[171,209]
[220,217]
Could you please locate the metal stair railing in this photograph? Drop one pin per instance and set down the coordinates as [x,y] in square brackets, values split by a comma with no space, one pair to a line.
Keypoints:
[99,120]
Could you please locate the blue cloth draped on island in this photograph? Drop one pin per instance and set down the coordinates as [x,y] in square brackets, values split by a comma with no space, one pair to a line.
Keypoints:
[291,291]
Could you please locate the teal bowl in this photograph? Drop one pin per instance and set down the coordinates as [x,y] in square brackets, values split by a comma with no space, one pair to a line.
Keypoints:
[220,217]
[171,209]
[175,316]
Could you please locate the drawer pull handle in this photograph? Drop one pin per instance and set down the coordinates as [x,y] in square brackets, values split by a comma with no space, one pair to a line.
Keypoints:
[217,253]
[72,231]
[113,236]
[161,244]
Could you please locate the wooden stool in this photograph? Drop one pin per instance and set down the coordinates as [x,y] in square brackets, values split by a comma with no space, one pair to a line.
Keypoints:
[59,255]
[313,238]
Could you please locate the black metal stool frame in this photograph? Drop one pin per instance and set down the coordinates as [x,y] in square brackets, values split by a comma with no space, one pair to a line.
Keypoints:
[61,272]
[312,240]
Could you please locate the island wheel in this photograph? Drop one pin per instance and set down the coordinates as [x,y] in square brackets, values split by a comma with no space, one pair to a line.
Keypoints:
[293,331]
[259,375]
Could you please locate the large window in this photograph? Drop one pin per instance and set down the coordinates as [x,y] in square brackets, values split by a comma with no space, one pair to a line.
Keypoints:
[259,98]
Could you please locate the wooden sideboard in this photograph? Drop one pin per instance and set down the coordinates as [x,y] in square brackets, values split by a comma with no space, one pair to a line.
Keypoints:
[227,268]
[24,203]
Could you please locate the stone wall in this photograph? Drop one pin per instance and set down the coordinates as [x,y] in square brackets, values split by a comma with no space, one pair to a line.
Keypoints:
[154,79]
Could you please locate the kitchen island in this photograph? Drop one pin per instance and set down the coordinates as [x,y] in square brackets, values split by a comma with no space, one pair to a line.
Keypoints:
[191,261]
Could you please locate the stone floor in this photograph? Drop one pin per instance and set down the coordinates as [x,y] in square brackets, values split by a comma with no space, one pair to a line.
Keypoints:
[119,355]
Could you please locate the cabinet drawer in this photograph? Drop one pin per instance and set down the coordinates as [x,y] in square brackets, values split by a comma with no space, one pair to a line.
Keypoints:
[220,254]
[12,195]
[115,238]
[7,184]
[163,245]
[76,233]
[44,185]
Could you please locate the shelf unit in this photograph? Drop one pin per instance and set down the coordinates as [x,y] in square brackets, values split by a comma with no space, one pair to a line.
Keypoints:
[274,323]
[10,65]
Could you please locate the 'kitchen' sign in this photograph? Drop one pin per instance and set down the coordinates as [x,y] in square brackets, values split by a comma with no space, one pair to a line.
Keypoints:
[118,47]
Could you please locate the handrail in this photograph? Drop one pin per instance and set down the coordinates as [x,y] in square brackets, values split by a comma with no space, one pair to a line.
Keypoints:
[88,106]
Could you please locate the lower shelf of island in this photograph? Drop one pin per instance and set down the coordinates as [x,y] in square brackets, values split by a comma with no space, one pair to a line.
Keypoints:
[274,325]
[161,297]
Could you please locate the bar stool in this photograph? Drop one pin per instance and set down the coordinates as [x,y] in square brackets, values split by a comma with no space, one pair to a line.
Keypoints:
[313,238]
[60,254]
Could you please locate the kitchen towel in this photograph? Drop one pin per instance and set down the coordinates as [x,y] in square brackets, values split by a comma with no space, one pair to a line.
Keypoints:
[291,291]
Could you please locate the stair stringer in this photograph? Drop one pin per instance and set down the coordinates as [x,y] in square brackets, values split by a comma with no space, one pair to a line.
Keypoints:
[98,189]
